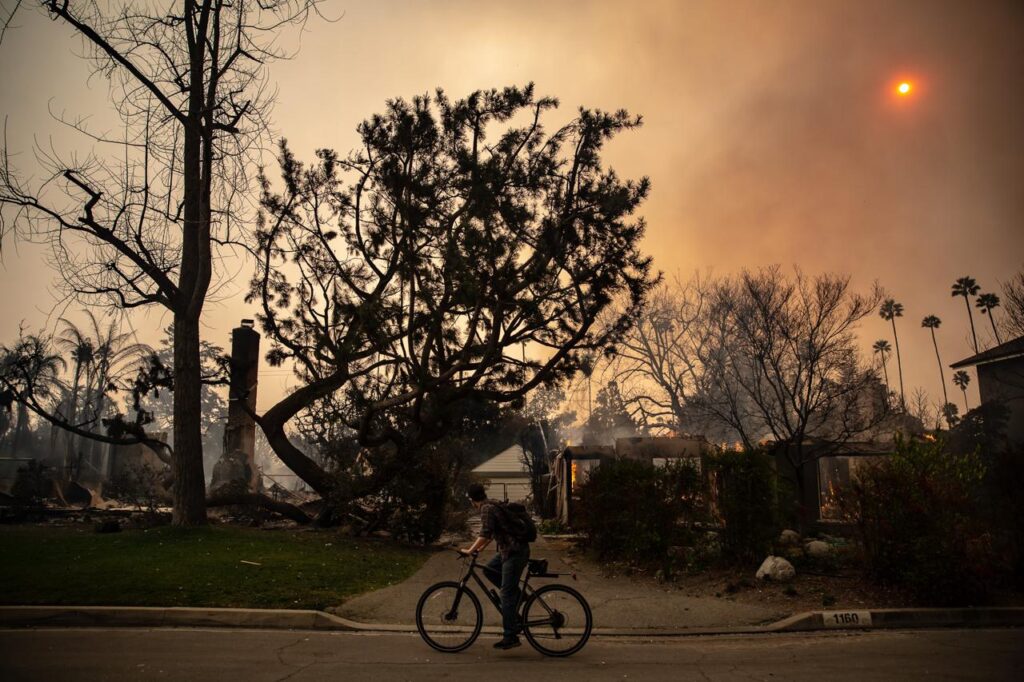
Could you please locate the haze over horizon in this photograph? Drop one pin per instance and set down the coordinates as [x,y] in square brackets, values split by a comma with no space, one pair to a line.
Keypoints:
[772,133]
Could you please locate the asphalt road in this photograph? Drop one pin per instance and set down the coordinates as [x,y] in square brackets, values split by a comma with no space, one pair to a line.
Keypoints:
[264,655]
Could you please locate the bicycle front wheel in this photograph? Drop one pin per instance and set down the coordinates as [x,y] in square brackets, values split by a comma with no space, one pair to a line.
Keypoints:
[449,617]
[557,620]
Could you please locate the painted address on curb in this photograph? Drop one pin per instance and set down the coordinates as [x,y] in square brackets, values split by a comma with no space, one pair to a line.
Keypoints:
[846,619]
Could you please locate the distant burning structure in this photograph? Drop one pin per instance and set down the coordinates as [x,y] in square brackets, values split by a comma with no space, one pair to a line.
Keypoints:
[573,465]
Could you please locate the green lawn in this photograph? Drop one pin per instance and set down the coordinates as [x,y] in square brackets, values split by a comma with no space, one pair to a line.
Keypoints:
[174,567]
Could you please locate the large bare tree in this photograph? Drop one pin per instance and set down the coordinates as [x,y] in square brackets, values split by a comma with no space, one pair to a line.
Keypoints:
[658,364]
[786,364]
[142,224]
[1013,301]
[411,275]
[759,356]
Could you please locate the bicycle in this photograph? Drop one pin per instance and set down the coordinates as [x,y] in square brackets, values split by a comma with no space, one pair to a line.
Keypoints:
[556,619]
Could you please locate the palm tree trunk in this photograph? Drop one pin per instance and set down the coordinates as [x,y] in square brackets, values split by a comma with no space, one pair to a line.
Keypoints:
[992,319]
[967,408]
[885,372]
[19,429]
[899,363]
[102,379]
[970,316]
[942,375]
[96,447]
[69,444]
[87,405]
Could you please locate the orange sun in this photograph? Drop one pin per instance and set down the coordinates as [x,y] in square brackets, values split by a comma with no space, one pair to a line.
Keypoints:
[904,88]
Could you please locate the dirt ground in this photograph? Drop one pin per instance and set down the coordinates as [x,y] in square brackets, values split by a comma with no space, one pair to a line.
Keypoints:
[813,588]
[810,590]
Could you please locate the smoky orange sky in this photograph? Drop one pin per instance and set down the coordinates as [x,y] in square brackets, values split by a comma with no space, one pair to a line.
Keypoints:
[772,132]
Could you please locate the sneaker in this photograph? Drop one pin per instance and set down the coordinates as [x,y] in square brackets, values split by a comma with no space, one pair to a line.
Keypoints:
[507,643]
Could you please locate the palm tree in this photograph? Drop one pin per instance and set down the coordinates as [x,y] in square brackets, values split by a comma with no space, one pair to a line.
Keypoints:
[890,310]
[962,379]
[29,372]
[82,351]
[882,347]
[117,356]
[967,287]
[102,355]
[932,322]
[988,303]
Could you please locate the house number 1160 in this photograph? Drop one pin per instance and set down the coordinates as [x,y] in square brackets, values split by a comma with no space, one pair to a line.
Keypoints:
[846,619]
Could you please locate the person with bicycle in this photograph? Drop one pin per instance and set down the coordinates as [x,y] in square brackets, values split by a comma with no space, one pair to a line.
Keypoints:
[505,569]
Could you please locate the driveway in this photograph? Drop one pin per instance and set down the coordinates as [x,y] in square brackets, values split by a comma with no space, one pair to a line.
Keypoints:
[616,602]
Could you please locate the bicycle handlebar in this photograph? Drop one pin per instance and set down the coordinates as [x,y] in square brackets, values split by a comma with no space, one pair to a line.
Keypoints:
[463,555]
[473,557]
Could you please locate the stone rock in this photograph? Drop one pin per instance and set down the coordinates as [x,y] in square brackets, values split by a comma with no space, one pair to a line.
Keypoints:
[776,569]
[816,549]
[788,538]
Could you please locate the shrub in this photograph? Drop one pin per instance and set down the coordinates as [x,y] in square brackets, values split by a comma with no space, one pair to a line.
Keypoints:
[408,497]
[635,511]
[32,483]
[984,429]
[919,523]
[137,484]
[1005,506]
[551,527]
[747,503]
[413,505]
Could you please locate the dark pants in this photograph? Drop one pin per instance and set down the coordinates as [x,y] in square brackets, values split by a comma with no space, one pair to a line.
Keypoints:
[505,574]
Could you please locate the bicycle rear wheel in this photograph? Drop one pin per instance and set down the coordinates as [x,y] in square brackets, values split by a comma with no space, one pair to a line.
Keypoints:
[557,620]
[449,617]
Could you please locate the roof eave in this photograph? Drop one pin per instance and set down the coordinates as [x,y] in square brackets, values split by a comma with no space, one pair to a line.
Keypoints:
[976,360]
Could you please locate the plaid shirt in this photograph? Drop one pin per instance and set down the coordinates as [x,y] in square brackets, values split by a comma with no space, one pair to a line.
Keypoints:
[490,528]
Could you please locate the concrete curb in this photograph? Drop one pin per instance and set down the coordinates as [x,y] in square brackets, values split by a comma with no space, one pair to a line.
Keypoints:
[284,619]
[145,616]
[1009,616]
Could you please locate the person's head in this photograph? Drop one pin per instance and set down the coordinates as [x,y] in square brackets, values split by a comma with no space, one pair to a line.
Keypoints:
[477,494]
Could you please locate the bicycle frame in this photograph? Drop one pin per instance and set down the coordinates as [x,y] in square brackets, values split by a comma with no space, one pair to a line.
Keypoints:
[525,591]
[550,611]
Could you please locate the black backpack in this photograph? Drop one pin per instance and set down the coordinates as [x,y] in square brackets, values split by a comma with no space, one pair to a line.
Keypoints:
[516,522]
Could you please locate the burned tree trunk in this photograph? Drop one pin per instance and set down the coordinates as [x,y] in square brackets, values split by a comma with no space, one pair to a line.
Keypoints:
[258,500]
[189,492]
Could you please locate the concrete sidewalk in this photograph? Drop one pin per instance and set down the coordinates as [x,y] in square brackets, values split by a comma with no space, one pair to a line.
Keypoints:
[617,603]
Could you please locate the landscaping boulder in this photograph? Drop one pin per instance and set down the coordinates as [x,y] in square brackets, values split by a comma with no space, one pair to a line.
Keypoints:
[776,569]
[789,538]
[817,549]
